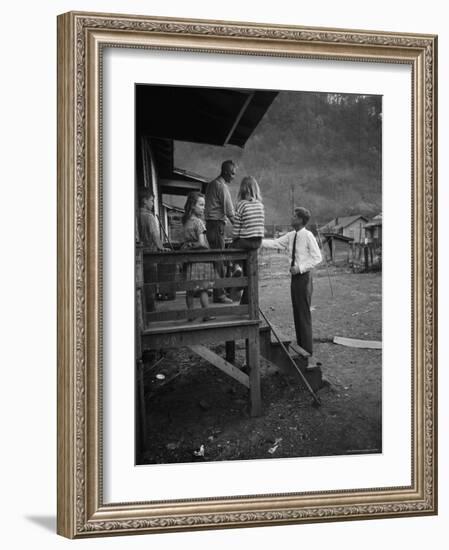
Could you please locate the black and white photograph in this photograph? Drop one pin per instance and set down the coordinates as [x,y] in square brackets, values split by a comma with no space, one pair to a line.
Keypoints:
[226,285]
[258,296]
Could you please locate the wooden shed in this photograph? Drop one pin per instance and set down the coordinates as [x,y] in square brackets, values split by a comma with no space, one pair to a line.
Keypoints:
[352,227]
[337,248]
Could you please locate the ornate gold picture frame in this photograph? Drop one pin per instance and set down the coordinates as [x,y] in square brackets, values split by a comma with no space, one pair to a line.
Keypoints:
[82,41]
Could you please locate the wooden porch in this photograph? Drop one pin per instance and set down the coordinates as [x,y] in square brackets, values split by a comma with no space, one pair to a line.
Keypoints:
[169,327]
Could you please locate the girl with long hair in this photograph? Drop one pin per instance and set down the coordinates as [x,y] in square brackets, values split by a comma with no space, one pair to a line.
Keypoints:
[249,225]
[195,238]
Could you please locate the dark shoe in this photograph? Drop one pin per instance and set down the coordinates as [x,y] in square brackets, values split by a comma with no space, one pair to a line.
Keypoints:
[310,367]
[208,318]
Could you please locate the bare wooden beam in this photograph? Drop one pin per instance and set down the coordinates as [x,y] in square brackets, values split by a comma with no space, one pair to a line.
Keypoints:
[214,325]
[254,374]
[239,116]
[141,428]
[354,343]
[179,257]
[230,282]
[178,315]
[221,364]
[253,284]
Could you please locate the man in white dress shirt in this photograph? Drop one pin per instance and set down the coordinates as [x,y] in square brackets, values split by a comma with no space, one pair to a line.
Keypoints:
[304,256]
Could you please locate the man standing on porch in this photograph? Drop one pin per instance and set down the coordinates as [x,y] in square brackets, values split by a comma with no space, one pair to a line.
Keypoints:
[304,256]
[219,207]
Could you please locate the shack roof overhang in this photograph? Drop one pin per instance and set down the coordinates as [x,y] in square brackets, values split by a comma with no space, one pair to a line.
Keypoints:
[212,116]
[181,182]
[178,187]
[343,222]
[336,236]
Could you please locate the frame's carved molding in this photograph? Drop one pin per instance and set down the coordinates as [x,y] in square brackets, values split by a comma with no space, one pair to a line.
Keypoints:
[424,50]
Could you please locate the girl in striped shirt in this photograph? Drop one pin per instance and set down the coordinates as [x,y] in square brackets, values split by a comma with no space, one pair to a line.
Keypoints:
[249,221]
[249,216]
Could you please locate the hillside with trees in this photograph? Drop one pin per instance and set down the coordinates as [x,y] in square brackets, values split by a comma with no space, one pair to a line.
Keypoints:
[320,150]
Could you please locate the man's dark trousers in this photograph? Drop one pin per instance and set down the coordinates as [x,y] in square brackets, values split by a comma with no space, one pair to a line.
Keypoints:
[301,292]
[215,236]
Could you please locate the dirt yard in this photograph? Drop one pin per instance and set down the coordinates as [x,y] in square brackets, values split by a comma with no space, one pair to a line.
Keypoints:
[197,413]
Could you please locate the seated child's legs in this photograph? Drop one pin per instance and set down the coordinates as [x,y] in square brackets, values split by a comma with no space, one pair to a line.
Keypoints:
[204,298]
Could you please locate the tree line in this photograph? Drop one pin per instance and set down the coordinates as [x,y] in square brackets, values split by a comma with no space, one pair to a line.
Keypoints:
[321,150]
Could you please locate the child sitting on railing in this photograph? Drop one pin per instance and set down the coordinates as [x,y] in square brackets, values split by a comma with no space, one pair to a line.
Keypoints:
[195,238]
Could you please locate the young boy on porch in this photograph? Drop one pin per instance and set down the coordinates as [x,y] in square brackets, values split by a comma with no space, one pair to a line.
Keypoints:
[148,234]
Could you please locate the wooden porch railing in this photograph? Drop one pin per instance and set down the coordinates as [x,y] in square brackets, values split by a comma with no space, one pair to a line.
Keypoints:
[178,283]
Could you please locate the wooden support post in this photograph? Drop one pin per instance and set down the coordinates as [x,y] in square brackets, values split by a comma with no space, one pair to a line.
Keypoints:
[141,412]
[140,300]
[254,375]
[253,284]
[253,340]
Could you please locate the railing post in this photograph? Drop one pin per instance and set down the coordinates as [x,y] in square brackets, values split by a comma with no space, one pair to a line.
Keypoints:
[252,343]
[140,300]
[253,284]
[139,327]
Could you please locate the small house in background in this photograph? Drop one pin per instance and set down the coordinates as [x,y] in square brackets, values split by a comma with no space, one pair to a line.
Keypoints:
[373,230]
[352,227]
[354,239]
[336,248]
